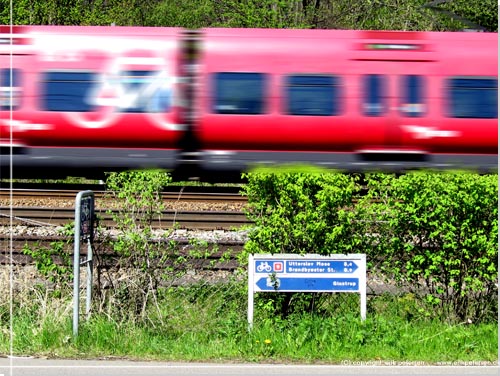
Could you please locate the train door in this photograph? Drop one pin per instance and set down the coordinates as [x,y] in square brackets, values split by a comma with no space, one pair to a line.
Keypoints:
[415,106]
[411,109]
[395,100]
[394,74]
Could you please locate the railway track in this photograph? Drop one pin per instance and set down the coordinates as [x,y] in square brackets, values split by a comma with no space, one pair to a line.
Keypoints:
[191,207]
[203,220]
[171,195]
[12,246]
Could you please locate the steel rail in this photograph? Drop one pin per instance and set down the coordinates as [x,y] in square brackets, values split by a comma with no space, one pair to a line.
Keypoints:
[169,196]
[207,220]
[229,248]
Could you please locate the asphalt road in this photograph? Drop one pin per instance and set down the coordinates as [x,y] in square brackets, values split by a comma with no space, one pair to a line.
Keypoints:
[49,367]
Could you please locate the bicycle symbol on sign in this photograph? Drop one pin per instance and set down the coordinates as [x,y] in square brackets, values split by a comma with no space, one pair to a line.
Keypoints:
[264,266]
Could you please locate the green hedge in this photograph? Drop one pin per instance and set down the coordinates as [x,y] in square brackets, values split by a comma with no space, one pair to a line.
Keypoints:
[435,234]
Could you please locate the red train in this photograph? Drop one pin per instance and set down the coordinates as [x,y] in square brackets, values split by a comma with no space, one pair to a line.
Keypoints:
[82,100]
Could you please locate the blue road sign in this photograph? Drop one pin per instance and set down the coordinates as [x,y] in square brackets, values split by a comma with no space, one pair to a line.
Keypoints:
[307,273]
[274,283]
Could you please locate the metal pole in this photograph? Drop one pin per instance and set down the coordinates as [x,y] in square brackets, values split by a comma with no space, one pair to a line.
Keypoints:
[76,266]
[362,287]
[89,277]
[251,272]
[87,218]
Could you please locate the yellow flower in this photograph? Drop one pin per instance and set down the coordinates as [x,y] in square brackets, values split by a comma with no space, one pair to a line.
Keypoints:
[267,341]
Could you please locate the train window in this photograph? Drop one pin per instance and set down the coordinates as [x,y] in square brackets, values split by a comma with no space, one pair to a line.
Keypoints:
[312,95]
[130,91]
[10,89]
[374,93]
[239,93]
[146,91]
[413,97]
[68,91]
[473,97]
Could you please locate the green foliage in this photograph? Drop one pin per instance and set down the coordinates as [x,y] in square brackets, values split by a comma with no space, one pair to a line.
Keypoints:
[54,262]
[139,193]
[48,12]
[318,14]
[300,212]
[278,14]
[433,233]
[481,12]
[379,15]
[151,263]
[440,236]
[214,328]
[193,14]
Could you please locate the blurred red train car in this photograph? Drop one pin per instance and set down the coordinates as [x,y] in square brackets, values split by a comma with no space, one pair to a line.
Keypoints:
[83,100]
[348,99]
[89,99]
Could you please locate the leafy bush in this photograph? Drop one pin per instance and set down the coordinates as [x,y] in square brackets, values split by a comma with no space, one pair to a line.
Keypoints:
[435,234]
[300,212]
[139,195]
[438,235]
[55,262]
[149,263]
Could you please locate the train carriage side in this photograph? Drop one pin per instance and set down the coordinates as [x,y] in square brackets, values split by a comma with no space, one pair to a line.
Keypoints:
[245,76]
[467,97]
[99,99]
[351,100]
[16,54]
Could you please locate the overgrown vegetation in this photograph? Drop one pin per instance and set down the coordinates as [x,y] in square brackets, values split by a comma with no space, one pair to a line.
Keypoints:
[149,262]
[54,263]
[318,14]
[432,235]
[140,195]
[438,236]
[209,323]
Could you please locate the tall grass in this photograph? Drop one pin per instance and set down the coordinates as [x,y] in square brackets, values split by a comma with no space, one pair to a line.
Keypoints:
[208,323]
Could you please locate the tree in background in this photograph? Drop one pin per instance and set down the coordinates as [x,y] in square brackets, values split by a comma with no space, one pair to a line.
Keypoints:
[48,12]
[482,13]
[318,14]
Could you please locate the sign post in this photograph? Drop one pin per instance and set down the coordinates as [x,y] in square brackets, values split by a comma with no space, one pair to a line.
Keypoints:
[84,230]
[308,273]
